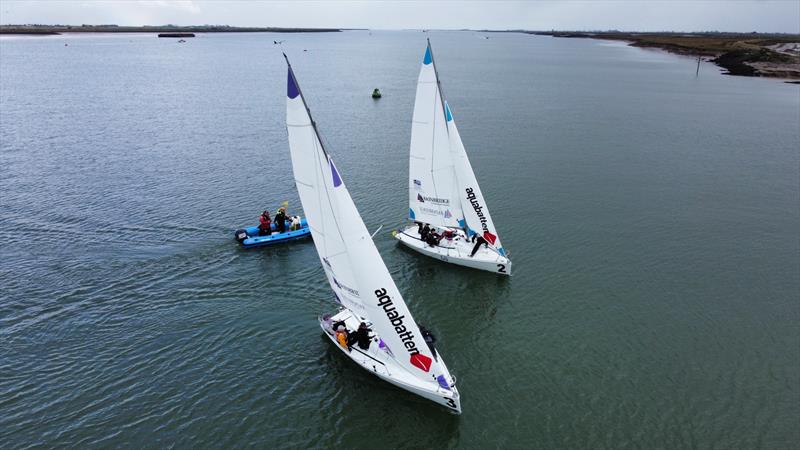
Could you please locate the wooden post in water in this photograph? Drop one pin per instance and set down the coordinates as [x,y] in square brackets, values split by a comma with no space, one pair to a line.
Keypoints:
[697,72]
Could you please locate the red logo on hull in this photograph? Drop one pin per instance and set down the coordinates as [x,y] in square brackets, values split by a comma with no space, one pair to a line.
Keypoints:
[490,238]
[421,361]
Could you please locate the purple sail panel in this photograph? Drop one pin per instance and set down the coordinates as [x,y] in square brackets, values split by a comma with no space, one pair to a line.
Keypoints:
[291,86]
[382,345]
[442,382]
[337,181]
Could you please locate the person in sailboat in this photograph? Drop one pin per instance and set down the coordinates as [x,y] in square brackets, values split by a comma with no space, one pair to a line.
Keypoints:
[360,337]
[429,339]
[433,238]
[424,231]
[264,224]
[280,220]
[478,240]
[341,336]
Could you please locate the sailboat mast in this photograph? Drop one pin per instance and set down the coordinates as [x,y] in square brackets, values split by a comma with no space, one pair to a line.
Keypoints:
[308,111]
[444,107]
[438,82]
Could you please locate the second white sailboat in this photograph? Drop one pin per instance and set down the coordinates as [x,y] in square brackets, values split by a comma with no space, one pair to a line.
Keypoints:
[443,190]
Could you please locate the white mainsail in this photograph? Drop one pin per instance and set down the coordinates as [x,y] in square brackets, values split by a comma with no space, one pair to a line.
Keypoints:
[432,181]
[346,249]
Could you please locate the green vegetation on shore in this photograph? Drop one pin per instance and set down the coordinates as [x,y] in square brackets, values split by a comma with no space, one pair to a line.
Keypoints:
[749,54]
[58,29]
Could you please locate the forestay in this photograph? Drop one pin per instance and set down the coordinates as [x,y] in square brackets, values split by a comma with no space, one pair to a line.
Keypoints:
[346,248]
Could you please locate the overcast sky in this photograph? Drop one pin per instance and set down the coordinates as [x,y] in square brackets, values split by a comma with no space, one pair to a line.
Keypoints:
[658,15]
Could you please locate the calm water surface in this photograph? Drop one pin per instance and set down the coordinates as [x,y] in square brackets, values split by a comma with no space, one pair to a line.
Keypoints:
[652,217]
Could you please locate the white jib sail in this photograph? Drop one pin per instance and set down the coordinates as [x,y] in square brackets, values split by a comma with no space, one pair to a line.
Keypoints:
[343,236]
[476,212]
[432,182]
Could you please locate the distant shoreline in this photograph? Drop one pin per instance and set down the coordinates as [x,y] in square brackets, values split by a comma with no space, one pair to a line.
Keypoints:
[745,54]
[59,29]
[773,55]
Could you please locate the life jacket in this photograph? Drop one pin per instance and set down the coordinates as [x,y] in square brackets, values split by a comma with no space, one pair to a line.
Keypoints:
[264,222]
[341,337]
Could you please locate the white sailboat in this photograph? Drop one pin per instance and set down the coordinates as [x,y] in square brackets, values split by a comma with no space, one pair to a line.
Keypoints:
[398,352]
[443,191]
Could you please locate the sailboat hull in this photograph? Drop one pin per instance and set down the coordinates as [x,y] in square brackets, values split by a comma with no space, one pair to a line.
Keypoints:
[378,362]
[456,251]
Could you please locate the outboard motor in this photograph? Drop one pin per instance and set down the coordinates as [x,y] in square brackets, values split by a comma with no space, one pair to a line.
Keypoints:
[240,235]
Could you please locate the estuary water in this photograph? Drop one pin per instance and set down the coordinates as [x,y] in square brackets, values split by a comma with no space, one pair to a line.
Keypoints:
[652,217]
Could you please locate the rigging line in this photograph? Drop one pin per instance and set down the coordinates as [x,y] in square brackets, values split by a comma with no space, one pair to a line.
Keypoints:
[303,98]
[324,151]
[438,83]
[433,147]
[444,112]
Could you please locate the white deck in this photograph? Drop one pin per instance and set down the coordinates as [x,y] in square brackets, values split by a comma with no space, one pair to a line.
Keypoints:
[378,361]
[457,251]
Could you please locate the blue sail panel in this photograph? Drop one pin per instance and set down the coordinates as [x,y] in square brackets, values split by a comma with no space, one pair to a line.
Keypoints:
[291,86]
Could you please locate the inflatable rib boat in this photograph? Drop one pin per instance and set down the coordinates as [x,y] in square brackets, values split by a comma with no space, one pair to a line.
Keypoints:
[249,237]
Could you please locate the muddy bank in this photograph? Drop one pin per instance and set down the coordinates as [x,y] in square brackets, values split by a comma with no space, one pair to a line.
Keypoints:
[745,54]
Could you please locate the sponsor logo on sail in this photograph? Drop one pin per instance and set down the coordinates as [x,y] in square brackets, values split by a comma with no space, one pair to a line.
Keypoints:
[417,359]
[345,288]
[434,200]
[490,238]
[431,211]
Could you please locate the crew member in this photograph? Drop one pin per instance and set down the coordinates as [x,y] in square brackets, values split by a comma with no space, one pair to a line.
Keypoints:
[433,238]
[264,225]
[341,337]
[423,234]
[478,240]
[360,337]
[429,339]
[280,220]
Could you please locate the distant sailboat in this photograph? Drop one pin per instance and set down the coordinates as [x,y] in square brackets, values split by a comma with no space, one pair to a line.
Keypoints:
[443,190]
[398,353]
